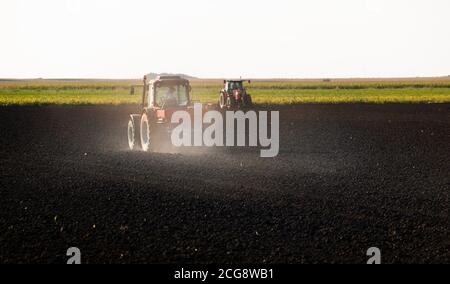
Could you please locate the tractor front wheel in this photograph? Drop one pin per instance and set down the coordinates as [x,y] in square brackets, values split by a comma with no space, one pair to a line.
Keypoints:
[146,137]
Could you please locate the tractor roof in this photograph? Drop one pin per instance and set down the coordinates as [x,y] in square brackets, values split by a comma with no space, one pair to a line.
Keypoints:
[170,79]
[237,80]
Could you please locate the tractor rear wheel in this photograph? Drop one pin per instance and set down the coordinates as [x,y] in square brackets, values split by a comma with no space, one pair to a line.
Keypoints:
[146,137]
[133,133]
[248,102]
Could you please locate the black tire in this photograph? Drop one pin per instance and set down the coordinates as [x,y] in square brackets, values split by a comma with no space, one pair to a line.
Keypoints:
[134,138]
[231,103]
[146,135]
[248,102]
[240,105]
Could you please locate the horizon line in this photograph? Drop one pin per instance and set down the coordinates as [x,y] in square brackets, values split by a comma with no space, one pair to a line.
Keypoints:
[215,78]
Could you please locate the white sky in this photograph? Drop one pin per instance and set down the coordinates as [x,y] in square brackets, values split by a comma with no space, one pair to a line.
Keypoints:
[224,38]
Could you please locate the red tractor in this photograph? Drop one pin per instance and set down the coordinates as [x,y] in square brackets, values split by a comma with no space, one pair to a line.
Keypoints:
[234,96]
[161,98]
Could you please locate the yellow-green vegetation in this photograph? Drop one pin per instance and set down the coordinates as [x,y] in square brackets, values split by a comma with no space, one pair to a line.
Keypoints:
[274,92]
[66,97]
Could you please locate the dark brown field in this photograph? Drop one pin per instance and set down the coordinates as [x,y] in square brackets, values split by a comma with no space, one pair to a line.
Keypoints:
[348,177]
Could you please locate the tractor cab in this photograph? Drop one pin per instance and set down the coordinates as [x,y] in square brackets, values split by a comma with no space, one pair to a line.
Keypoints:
[165,95]
[231,86]
[167,92]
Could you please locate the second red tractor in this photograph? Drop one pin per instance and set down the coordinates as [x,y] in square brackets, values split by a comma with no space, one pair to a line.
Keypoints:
[234,96]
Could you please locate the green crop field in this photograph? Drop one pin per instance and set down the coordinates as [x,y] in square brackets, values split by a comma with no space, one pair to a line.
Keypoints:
[273,92]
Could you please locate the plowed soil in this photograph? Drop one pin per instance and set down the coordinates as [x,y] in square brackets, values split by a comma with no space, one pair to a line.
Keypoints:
[348,177]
